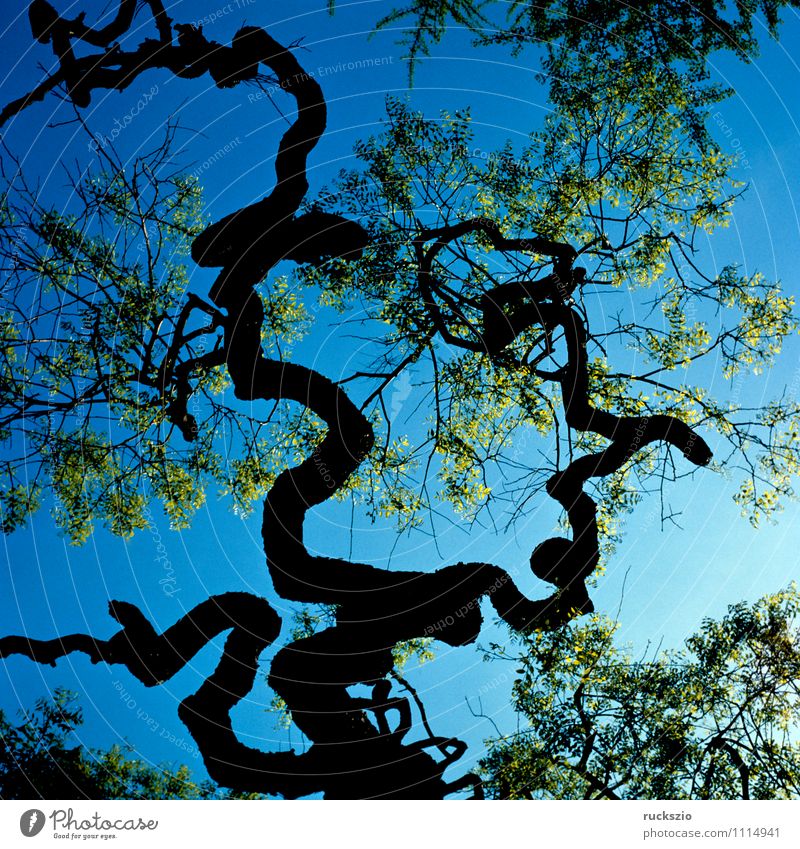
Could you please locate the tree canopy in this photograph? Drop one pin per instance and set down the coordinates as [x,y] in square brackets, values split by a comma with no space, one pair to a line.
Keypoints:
[126,386]
[40,758]
[669,32]
[715,720]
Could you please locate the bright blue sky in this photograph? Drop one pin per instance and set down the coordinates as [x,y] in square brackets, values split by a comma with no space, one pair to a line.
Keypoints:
[673,577]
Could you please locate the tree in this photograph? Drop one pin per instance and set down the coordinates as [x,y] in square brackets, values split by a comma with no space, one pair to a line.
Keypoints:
[670,32]
[96,350]
[39,760]
[117,381]
[715,720]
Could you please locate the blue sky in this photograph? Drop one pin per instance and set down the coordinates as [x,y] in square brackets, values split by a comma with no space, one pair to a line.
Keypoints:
[666,579]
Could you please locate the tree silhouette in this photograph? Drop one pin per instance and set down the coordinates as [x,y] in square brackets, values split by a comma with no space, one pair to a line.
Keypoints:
[359,747]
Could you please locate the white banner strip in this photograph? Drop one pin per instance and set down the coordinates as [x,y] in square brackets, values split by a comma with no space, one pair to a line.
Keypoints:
[399,825]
